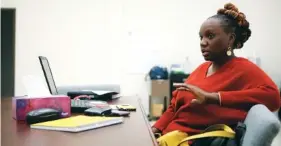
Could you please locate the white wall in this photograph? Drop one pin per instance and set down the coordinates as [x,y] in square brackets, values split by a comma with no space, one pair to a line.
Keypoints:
[117,41]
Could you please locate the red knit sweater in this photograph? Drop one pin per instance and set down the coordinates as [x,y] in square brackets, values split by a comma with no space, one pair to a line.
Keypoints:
[240,83]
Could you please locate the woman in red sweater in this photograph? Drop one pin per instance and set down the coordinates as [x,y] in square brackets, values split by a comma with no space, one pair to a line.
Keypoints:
[225,87]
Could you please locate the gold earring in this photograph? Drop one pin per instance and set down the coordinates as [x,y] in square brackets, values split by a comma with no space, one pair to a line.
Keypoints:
[228,52]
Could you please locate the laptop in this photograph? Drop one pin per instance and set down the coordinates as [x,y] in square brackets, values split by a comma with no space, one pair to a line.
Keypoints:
[94,94]
[48,75]
[154,141]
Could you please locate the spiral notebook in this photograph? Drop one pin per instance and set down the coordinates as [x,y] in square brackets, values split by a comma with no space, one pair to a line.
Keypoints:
[78,123]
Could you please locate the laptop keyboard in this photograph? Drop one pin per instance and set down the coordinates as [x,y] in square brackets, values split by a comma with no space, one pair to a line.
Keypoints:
[82,105]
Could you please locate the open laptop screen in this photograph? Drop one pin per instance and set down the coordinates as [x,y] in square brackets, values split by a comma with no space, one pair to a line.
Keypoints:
[154,140]
[48,75]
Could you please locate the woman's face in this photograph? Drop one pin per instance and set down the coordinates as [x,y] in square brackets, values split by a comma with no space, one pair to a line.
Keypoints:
[214,40]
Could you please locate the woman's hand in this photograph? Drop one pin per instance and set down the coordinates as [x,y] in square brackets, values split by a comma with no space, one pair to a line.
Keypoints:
[201,96]
[155,130]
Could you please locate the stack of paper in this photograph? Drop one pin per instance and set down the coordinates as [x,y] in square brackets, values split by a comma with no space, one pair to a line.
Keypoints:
[78,123]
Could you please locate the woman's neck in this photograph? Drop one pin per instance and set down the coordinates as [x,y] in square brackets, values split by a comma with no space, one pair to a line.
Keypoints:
[220,62]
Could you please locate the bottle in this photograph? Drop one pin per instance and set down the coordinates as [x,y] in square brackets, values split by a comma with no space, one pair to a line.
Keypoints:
[187,66]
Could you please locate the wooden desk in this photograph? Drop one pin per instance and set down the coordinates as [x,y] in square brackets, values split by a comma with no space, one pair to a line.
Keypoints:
[133,132]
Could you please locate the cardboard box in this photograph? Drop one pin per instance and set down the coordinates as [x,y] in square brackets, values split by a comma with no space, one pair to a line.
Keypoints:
[160,88]
[156,106]
[24,104]
[159,98]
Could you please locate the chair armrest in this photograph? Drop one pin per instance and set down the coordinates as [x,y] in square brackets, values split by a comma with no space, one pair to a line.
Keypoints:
[262,126]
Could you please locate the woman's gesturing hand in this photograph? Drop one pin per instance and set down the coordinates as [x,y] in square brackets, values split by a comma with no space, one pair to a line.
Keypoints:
[201,96]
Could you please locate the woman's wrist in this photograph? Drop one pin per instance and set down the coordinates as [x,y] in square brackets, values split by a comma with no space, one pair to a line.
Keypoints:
[213,98]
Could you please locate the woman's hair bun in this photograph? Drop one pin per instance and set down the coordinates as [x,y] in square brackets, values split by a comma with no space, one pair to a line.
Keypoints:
[232,11]
[235,19]
[230,6]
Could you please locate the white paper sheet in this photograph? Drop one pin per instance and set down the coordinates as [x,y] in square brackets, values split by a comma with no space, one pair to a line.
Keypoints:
[35,86]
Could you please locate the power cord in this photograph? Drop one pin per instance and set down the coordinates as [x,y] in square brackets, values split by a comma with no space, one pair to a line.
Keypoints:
[81,96]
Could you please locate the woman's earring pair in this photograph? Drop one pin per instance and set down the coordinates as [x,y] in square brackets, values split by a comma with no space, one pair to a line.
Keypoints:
[229,52]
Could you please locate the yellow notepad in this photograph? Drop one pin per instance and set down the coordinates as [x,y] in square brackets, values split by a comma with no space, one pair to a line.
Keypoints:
[78,123]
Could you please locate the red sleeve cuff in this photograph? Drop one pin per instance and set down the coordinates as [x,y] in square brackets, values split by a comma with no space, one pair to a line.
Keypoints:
[164,120]
[158,126]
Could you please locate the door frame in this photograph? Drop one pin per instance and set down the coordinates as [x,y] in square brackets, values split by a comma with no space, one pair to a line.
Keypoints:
[13,54]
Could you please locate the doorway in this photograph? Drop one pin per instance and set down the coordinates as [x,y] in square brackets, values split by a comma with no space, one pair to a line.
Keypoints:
[8,22]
